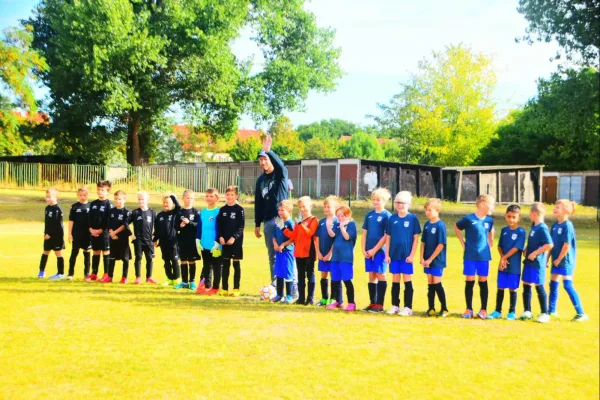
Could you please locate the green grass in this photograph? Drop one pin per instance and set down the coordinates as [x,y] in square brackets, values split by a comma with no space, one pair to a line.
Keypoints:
[79,340]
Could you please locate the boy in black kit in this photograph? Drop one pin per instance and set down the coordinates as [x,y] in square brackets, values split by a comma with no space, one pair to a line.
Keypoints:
[79,233]
[98,228]
[119,237]
[230,222]
[143,219]
[187,225]
[165,236]
[53,235]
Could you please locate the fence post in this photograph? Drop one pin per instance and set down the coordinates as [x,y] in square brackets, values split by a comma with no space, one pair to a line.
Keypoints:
[309,185]
[349,192]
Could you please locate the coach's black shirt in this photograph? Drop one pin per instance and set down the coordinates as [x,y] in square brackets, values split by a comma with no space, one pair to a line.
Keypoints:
[79,214]
[99,213]
[188,232]
[143,224]
[120,217]
[165,228]
[53,222]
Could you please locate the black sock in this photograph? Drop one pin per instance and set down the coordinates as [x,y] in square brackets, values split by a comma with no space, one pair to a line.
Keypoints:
[72,261]
[86,263]
[373,292]
[111,266]
[168,269]
[527,297]
[280,285]
[396,294]
[335,287]
[184,272]
[60,265]
[381,289]
[310,295]
[125,268]
[543,298]
[225,274]
[469,285]
[237,275]
[324,289]
[349,291]
[408,294]
[175,269]
[149,267]
[289,288]
[192,272]
[106,263]
[441,295]
[137,265]
[340,295]
[95,263]
[499,300]
[431,296]
[216,267]
[513,302]
[483,294]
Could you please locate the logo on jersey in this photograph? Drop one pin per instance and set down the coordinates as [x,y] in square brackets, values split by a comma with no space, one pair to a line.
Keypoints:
[513,236]
[406,224]
[50,213]
[148,218]
[433,230]
[102,209]
[559,231]
[139,218]
[170,217]
[232,216]
[192,217]
[486,225]
[94,207]
[161,219]
[78,210]
[379,219]
[395,222]
[532,233]
[120,217]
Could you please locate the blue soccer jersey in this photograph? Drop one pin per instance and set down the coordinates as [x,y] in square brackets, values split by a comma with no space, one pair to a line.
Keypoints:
[325,241]
[561,234]
[343,250]
[509,239]
[433,235]
[539,235]
[402,231]
[281,238]
[476,230]
[375,224]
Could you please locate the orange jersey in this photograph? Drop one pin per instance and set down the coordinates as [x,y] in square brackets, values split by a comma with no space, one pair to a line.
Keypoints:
[303,236]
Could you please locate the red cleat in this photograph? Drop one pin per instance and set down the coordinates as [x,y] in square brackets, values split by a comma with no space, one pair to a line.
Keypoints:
[211,292]
[138,281]
[91,278]
[152,281]
[123,280]
[106,279]
[201,286]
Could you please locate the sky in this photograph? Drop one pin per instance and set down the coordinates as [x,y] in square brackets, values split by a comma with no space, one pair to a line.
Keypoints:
[382,42]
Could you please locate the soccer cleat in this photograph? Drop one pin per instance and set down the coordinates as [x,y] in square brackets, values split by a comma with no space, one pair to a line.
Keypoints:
[202,285]
[393,311]
[223,293]
[138,281]
[430,313]
[181,285]
[151,280]
[443,314]
[511,316]
[405,312]
[350,307]
[340,306]
[309,303]
[288,300]
[86,278]
[235,293]
[56,277]
[276,299]
[526,315]
[193,286]
[322,303]
[211,292]
[299,302]
[376,309]
[166,283]
[543,318]
[41,275]
[70,277]
[580,318]
[332,305]
[367,308]
[467,314]
[92,278]
[482,314]
[495,315]
[106,279]
[123,280]
[554,314]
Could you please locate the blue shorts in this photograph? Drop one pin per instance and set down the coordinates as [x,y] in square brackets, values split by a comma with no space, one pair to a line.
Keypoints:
[508,281]
[479,268]
[376,264]
[401,267]
[341,271]
[536,276]
[284,265]
[562,271]
[434,271]
[324,266]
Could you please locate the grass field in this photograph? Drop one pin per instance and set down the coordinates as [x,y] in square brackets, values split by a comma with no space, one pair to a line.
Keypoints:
[87,340]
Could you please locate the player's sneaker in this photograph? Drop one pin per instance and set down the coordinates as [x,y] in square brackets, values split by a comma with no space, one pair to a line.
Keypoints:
[467,314]
[443,313]
[181,285]
[405,312]
[543,318]
[123,280]
[288,299]
[138,281]
[103,277]
[211,292]
[511,316]
[350,307]
[309,303]
[166,283]
[56,277]
[526,315]
[299,302]
[202,284]
[393,311]
[42,274]
[276,299]
[332,305]
[376,309]
[92,278]
[106,279]
[580,318]
[482,314]
[151,280]
[430,313]
[554,314]
[235,293]
[495,315]
[70,277]
[86,278]
[367,308]
[223,293]
[193,285]
[322,303]
[340,306]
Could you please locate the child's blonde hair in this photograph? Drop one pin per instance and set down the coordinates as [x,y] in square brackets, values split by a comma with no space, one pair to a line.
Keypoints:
[212,191]
[188,191]
[166,196]
[568,205]
[120,193]
[287,205]
[433,203]
[331,200]
[52,191]
[538,208]
[232,189]
[404,196]
[143,194]
[83,189]
[306,200]
[381,194]
[345,210]
[484,198]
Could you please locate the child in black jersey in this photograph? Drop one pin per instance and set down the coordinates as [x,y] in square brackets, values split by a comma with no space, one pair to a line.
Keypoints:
[53,235]
[230,222]
[118,229]
[143,219]
[165,235]
[79,234]
[98,228]
[187,225]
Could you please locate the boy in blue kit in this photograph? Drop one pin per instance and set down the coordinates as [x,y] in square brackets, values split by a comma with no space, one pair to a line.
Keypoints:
[323,245]
[79,234]
[402,238]
[284,254]
[539,243]
[433,256]
[564,257]
[373,240]
[510,247]
[53,235]
[342,260]
[98,228]
[187,229]
[206,242]
[479,238]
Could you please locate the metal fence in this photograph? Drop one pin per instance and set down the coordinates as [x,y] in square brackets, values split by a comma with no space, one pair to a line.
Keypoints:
[152,178]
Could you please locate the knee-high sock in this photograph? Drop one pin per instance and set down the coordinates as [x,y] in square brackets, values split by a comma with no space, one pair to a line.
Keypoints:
[431,296]
[349,291]
[469,285]
[216,268]
[568,285]
[72,261]
[335,289]
[381,289]
[396,294]
[192,272]
[441,295]
[324,288]
[106,263]
[237,275]
[289,288]
[95,263]
[340,295]
[184,272]
[225,273]
[279,287]
[43,262]
[60,265]
[513,302]
[373,292]
[499,300]
[541,292]
[125,268]
[553,296]
[86,263]
[110,266]
[483,294]
[527,297]
[168,269]
[175,269]
[408,294]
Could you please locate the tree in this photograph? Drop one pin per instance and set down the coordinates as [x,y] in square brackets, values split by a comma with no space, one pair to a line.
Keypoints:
[327,129]
[246,150]
[318,148]
[444,115]
[574,24]
[118,64]
[286,141]
[560,128]
[393,150]
[362,145]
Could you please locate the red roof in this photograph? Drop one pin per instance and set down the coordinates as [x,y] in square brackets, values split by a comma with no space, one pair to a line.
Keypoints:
[182,132]
[244,134]
[38,118]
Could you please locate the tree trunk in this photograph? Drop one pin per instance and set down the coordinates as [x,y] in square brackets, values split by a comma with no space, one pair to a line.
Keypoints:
[133,140]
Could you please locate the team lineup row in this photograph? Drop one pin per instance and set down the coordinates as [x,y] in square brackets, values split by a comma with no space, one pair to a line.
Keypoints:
[389,242]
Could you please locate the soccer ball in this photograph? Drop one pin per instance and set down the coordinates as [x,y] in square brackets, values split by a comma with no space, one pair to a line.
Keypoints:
[268,293]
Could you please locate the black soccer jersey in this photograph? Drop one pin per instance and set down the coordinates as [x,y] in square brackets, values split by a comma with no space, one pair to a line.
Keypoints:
[120,217]
[165,228]
[99,214]
[143,225]
[188,232]
[231,222]
[53,222]
[79,214]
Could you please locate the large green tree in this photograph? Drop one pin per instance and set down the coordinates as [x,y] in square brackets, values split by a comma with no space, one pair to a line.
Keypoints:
[286,141]
[363,145]
[327,129]
[560,128]
[574,24]
[117,64]
[444,114]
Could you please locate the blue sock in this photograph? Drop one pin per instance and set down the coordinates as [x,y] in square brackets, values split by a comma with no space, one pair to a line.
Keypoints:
[553,296]
[574,296]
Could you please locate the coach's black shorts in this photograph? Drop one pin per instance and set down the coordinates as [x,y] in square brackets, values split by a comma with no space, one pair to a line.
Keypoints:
[140,249]
[54,244]
[119,249]
[101,242]
[188,251]
[170,251]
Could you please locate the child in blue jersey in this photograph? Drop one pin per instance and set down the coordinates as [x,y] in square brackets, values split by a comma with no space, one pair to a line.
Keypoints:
[284,254]
[402,238]
[539,243]
[342,260]
[479,238]
[510,247]
[207,236]
[323,247]
[564,258]
[373,240]
[433,256]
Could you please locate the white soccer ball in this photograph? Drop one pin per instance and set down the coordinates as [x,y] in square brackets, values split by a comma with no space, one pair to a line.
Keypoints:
[268,293]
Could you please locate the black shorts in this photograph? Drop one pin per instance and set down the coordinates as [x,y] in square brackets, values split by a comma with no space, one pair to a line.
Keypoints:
[54,244]
[140,249]
[234,251]
[188,251]
[119,249]
[82,241]
[170,251]
[101,242]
